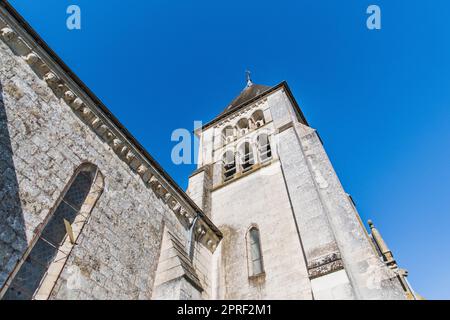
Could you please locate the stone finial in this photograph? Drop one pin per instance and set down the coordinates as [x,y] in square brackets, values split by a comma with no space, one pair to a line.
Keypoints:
[249,79]
[379,241]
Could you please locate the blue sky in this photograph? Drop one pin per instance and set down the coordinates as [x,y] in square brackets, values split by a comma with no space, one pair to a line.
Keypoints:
[379,99]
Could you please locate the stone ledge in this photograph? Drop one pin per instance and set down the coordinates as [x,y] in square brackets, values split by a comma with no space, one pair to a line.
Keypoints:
[324,265]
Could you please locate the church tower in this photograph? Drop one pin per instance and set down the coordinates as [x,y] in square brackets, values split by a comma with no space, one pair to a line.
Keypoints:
[290,229]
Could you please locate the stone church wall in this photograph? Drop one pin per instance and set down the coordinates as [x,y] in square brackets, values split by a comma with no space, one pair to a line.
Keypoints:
[45,135]
[259,199]
[43,142]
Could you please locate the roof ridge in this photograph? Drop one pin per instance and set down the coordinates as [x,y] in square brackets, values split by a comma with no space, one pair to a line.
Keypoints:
[248,93]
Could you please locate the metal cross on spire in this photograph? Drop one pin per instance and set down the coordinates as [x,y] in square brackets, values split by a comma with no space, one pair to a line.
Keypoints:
[249,79]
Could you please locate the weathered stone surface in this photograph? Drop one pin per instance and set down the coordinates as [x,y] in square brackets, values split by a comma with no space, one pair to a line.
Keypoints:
[311,240]
[47,131]
[313,245]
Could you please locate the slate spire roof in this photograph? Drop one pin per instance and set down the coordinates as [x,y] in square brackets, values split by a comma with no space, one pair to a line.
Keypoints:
[250,91]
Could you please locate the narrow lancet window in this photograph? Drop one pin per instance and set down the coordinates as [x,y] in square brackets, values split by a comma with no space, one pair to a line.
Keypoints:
[79,199]
[255,253]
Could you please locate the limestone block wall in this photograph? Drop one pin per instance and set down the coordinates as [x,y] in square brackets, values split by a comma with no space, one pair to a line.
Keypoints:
[49,126]
[321,249]
[370,277]
[43,142]
[330,229]
[317,236]
[259,199]
[202,262]
[313,243]
[199,189]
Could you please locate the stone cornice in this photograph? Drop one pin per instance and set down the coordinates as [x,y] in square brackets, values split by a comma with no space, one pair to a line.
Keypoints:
[325,265]
[24,42]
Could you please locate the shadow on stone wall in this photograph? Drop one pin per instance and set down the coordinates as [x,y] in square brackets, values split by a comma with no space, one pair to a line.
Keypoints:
[12,227]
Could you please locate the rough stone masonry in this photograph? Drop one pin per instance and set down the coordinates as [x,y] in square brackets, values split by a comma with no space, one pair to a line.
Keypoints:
[87,213]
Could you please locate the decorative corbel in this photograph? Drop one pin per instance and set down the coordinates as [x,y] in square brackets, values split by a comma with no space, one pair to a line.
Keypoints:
[8,34]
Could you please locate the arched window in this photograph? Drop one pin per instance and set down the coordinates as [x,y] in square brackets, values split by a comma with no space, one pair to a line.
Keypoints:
[255,259]
[228,134]
[228,166]
[265,152]
[45,260]
[247,159]
[243,126]
[258,118]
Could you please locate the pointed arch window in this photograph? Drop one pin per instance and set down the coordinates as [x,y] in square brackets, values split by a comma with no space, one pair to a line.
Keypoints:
[255,259]
[45,260]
